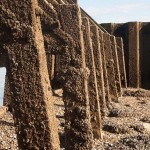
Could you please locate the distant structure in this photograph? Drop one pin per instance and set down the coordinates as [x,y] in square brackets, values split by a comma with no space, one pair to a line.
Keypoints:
[136,36]
[55,44]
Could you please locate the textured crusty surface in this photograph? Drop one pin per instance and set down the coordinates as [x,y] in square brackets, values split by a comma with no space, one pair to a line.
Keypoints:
[116,65]
[32,103]
[121,61]
[105,72]
[8,136]
[98,65]
[77,111]
[125,127]
[110,67]
[134,65]
[92,82]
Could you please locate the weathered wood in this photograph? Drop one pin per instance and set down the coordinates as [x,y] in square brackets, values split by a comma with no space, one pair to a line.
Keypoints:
[92,82]
[32,102]
[7,93]
[106,84]
[75,95]
[99,68]
[110,67]
[116,65]
[120,51]
[134,70]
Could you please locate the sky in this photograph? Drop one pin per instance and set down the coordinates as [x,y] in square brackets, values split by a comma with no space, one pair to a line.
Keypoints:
[2,81]
[117,11]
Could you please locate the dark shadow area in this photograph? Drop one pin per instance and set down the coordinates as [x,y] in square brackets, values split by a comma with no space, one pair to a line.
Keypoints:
[62,139]
[59,105]
[6,123]
[57,95]
[122,31]
[58,116]
[145,56]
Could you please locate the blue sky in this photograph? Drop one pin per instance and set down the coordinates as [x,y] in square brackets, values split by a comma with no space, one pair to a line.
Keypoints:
[119,11]
[2,81]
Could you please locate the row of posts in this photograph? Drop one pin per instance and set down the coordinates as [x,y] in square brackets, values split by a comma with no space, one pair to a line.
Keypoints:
[91,69]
